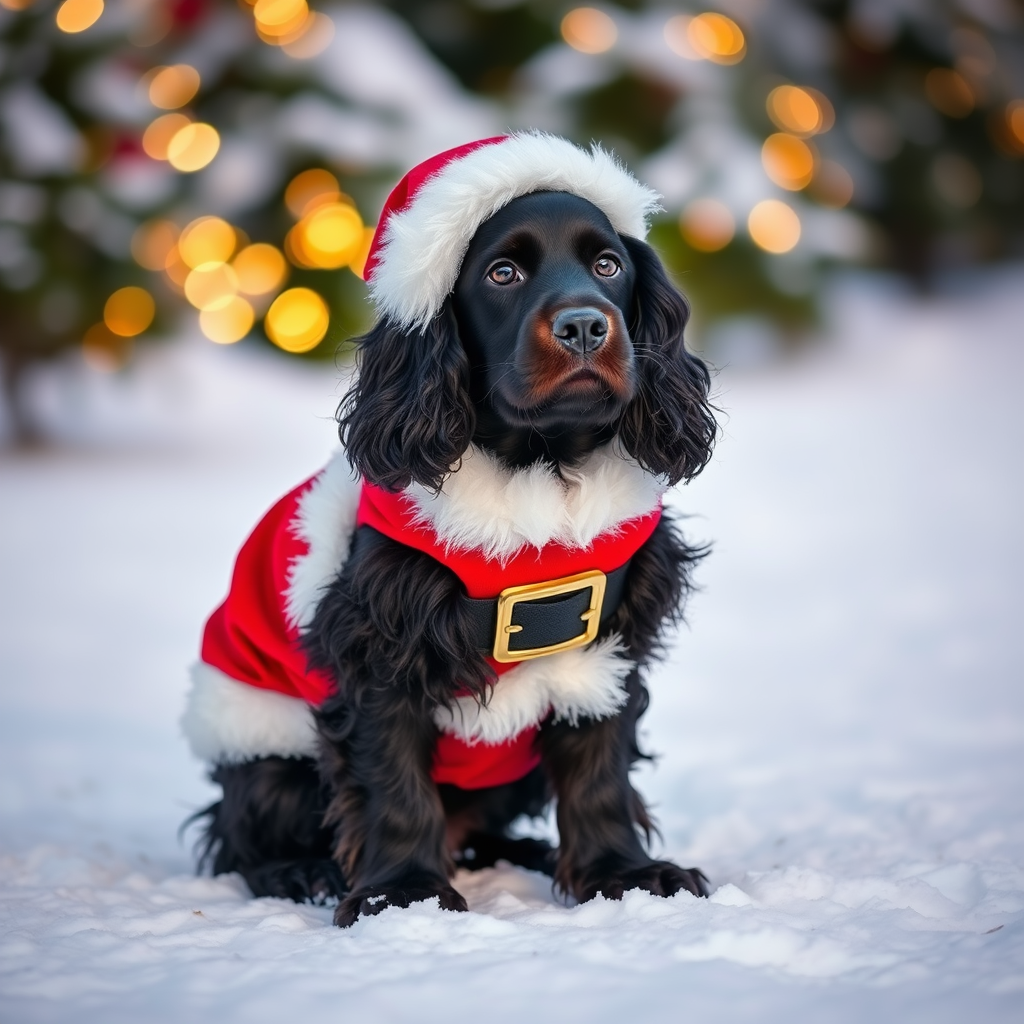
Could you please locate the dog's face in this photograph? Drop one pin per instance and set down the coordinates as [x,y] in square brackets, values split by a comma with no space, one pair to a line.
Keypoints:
[542,302]
[559,334]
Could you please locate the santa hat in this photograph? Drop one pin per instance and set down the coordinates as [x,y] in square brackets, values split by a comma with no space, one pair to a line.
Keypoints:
[431,216]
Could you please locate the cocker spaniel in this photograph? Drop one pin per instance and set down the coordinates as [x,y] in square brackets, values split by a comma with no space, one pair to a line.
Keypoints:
[447,628]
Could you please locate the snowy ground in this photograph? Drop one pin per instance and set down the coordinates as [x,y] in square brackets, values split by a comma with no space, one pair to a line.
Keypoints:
[841,728]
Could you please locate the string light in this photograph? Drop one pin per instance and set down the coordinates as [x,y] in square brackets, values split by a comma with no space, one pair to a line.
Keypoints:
[129,311]
[313,187]
[211,286]
[589,30]
[707,225]
[774,226]
[297,320]
[260,269]
[228,323]
[193,147]
[174,86]
[157,137]
[152,243]
[207,240]
[788,161]
[800,111]
[716,38]
[77,15]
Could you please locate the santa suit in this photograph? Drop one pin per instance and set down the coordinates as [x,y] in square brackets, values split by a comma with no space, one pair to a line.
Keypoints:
[494,528]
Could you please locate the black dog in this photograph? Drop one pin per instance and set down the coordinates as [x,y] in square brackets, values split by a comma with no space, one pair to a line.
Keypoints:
[560,337]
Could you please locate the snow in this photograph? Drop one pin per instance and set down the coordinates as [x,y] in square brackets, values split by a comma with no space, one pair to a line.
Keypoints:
[840,728]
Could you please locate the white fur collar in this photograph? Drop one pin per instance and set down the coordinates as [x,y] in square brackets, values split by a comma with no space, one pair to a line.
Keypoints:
[325,520]
[424,244]
[485,506]
[583,683]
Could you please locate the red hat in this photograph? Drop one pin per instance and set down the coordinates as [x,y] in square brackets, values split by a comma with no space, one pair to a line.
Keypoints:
[431,216]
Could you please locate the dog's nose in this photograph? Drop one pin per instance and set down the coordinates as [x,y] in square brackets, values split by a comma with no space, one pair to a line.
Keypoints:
[581,329]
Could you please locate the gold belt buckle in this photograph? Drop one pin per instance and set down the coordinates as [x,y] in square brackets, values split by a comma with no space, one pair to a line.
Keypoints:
[511,596]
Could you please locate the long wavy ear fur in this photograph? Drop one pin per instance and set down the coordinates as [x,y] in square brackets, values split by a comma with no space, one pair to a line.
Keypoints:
[669,427]
[408,416]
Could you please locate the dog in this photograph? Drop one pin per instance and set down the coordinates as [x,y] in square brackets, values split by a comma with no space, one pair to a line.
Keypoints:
[447,628]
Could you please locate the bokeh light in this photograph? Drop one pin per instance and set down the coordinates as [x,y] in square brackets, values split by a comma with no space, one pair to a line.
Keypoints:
[193,147]
[707,225]
[260,269]
[104,351]
[949,92]
[211,286]
[129,311]
[174,86]
[788,161]
[331,235]
[297,320]
[832,184]
[1015,120]
[716,38]
[229,322]
[78,15]
[308,188]
[800,111]
[281,21]
[358,262]
[153,242]
[16,5]
[315,37]
[774,226]
[589,30]
[207,240]
[157,137]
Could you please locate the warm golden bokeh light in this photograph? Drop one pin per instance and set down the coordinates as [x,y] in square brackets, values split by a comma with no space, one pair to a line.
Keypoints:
[707,225]
[173,87]
[281,21]
[788,161]
[309,188]
[331,235]
[297,320]
[358,262]
[717,38]
[153,242]
[800,111]
[104,351]
[589,30]
[774,226]
[228,323]
[832,184]
[207,240]
[157,137]
[129,311]
[261,268]
[193,147]
[211,286]
[315,37]
[78,15]
[176,269]
[675,33]
[949,92]
[16,5]
[1015,120]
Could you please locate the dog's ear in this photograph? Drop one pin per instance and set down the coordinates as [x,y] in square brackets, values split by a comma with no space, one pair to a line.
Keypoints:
[408,416]
[669,427]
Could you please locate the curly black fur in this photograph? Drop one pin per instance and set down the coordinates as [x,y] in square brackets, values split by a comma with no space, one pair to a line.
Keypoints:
[366,823]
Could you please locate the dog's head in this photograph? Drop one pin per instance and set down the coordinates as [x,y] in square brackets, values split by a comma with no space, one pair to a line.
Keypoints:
[559,334]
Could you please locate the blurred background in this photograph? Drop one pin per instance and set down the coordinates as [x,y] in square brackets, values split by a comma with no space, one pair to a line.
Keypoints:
[175,168]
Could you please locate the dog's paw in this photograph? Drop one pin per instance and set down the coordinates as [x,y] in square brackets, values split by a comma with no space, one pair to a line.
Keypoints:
[307,880]
[372,899]
[659,877]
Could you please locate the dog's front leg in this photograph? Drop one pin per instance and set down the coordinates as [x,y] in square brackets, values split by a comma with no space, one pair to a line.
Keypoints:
[599,813]
[390,824]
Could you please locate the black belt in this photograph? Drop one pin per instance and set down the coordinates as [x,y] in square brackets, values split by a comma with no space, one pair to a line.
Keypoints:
[540,618]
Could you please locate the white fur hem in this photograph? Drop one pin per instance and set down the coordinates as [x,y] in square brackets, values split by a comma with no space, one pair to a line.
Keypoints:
[325,520]
[584,683]
[424,244]
[498,511]
[226,721]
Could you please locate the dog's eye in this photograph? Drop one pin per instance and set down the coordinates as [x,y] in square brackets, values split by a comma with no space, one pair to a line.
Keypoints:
[504,273]
[607,266]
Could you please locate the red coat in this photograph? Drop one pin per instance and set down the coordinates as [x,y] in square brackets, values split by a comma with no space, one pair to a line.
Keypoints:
[253,638]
